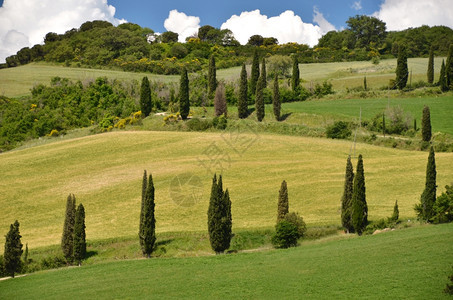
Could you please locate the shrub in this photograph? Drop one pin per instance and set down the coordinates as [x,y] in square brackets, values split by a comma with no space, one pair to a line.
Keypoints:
[339,130]
[322,90]
[286,235]
[220,122]
[196,124]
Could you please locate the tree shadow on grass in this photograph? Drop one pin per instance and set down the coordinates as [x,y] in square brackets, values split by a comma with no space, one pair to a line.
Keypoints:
[164,242]
[250,111]
[285,116]
[91,253]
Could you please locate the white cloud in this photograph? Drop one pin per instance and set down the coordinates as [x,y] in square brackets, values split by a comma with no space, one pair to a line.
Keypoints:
[357,5]
[319,19]
[182,24]
[287,27]
[402,14]
[24,23]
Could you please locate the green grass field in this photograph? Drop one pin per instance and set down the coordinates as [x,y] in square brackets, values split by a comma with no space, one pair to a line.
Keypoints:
[105,172]
[405,264]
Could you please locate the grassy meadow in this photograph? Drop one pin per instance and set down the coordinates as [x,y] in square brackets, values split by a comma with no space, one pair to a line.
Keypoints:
[105,172]
[411,263]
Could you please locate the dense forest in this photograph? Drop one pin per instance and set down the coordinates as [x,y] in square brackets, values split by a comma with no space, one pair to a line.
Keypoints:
[130,47]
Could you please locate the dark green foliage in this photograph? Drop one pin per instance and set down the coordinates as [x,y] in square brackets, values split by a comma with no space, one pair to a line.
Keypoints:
[149,220]
[359,215]
[219,217]
[443,81]
[169,37]
[243,99]
[259,99]
[443,208]
[339,130]
[220,103]
[364,84]
[449,67]
[146,104]
[401,68]
[295,77]
[323,89]
[256,40]
[396,213]
[383,124]
[426,124]
[80,245]
[142,210]
[212,78]
[67,239]
[430,72]
[184,104]
[276,104]
[346,199]
[13,250]
[263,71]
[283,203]
[449,287]
[255,73]
[288,231]
[366,31]
[297,220]
[425,209]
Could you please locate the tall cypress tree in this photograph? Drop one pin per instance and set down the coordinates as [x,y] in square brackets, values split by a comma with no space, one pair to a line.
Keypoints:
[428,197]
[365,87]
[263,71]
[212,78]
[140,230]
[359,215]
[146,104]
[220,103]
[430,72]
[80,245]
[295,78]
[242,101]
[149,220]
[396,212]
[401,68]
[443,82]
[184,104]
[426,124]
[276,99]
[283,202]
[255,73]
[346,199]
[449,67]
[67,239]
[259,99]
[13,250]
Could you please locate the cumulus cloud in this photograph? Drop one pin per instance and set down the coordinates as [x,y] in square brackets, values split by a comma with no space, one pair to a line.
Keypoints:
[357,5]
[287,27]
[24,23]
[402,14]
[182,24]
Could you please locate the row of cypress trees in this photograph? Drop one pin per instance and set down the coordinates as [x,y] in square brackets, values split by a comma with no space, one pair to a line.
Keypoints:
[73,240]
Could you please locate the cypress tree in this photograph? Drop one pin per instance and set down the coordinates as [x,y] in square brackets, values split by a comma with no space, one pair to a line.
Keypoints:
[146,104]
[364,84]
[255,73]
[401,68]
[430,72]
[383,124]
[67,239]
[346,199]
[263,72]
[140,230]
[449,67]
[149,221]
[220,104]
[259,99]
[13,250]
[295,78]
[80,246]
[428,197]
[426,124]
[212,78]
[283,203]
[443,78]
[396,212]
[359,215]
[276,99]
[184,104]
[242,101]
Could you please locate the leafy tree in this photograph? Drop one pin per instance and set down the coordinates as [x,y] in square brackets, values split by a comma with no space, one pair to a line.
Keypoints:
[80,245]
[255,73]
[146,103]
[283,204]
[430,72]
[242,100]
[401,68]
[169,37]
[276,99]
[219,217]
[346,199]
[425,209]
[184,104]
[212,79]
[366,31]
[149,220]
[203,32]
[255,40]
[295,78]
[359,215]
[13,250]
[443,82]
[426,124]
[443,208]
[396,212]
[220,103]
[449,67]
[259,99]
[67,239]
[288,230]
[263,71]
[270,41]
[142,210]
